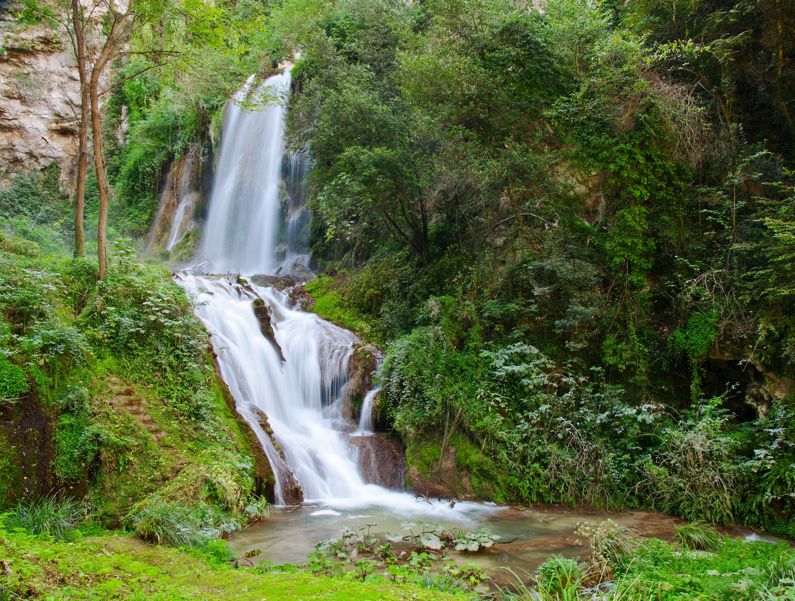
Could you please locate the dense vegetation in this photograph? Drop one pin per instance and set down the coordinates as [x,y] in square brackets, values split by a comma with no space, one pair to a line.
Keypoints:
[572,229]
[109,395]
[570,226]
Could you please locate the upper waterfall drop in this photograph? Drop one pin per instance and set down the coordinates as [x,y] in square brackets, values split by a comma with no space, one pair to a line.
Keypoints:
[244,211]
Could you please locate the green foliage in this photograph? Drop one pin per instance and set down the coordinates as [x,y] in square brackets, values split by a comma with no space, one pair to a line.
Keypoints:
[735,570]
[696,338]
[78,442]
[33,206]
[356,554]
[13,382]
[178,525]
[106,566]
[50,516]
[696,535]
[694,473]
[555,221]
[329,304]
[559,578]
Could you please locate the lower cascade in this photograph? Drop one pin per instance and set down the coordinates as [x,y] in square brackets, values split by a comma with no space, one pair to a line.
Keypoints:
[286,369]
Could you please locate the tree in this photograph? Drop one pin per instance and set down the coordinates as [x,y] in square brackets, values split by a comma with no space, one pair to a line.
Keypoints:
[77,33]
[121,22]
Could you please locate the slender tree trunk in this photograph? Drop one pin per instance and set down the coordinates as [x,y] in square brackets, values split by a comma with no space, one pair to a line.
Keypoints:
[99,164]
[78,26]
[82,168]
[119,29]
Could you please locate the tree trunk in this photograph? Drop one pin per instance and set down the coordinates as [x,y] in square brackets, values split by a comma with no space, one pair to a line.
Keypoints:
[115,36]
[99,164]
[82,144]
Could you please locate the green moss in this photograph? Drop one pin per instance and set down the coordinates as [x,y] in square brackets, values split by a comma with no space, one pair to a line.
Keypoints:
[13,383]
[487,481]
[330,305]
[122,567]
[9,471]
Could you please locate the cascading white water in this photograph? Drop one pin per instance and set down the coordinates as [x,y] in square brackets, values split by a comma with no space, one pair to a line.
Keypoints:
[366,418]
[241,228]
[297,218]
[302,393]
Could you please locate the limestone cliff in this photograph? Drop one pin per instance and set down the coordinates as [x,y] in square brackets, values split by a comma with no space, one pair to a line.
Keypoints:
[39,98]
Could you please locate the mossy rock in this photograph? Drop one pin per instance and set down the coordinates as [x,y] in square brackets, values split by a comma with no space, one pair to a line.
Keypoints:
[463,473]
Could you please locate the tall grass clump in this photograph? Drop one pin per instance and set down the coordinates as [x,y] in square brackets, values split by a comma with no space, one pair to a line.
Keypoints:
[178,525]
[697,535]
[47,516]
[559,578]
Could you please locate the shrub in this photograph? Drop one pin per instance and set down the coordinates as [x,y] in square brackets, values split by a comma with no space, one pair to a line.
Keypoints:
[697,536]
[13,382]
[559,578]
[49,516]
[77,443]
[171,523]
[610,545]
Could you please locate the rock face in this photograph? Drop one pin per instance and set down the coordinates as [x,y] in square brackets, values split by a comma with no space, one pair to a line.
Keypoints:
[39,99]
[263,472]
[180,198]
[381,460]
[361,368]
[291,489]
[446,481]
[263,315]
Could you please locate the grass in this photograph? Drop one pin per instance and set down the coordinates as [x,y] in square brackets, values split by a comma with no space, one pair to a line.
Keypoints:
[50,516]
[121,567]
[736,570]
[697,536]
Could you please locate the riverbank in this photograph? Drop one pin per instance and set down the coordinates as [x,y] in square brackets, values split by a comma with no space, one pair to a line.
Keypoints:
[114,565]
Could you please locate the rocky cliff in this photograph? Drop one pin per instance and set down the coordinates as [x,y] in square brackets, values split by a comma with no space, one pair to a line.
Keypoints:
[39,98]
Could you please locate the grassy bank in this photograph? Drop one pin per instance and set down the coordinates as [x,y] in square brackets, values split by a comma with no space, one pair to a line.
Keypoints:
[109,394]
[115,566]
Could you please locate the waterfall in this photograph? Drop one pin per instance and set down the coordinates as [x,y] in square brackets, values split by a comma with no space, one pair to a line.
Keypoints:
[286,369]
[243,218]
[366,418]
[178,200]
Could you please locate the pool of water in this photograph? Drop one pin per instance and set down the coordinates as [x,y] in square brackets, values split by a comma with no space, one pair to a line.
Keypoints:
[527,535]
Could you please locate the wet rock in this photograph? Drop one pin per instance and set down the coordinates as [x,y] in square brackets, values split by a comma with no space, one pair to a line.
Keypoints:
[263,315]
[291,489]
[381,460]
[361,368]
[181,186]
[280,282]
[301,299]
[264,479]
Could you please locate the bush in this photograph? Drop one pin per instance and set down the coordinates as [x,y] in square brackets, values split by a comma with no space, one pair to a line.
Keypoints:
[697,536]
[49,516]
[13,382]
[175,524]
[559,578]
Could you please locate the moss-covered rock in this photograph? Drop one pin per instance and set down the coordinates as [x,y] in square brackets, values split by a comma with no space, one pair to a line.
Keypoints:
[464,472]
